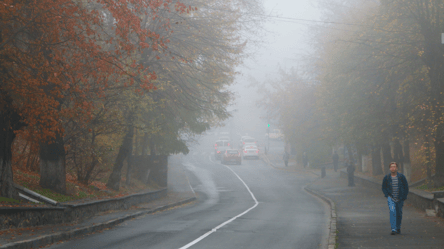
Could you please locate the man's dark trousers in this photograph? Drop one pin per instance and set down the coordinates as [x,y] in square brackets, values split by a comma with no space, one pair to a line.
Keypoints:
[395,213]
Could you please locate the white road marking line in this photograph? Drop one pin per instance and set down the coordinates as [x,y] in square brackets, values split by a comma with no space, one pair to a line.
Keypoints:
[228,221]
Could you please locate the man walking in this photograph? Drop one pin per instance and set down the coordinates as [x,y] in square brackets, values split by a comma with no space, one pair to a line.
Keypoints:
[351,173]
[285,158]
[335,158]
[395,189]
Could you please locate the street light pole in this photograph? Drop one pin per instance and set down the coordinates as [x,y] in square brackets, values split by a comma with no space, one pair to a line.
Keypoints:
[268,131]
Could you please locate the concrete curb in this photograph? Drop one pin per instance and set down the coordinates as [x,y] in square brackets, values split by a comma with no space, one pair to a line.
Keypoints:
[56,237]
[333,217]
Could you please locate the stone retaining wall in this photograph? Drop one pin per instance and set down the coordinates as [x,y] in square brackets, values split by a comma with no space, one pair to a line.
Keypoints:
[30,216]
[86,210]
[421,199]
[13,217]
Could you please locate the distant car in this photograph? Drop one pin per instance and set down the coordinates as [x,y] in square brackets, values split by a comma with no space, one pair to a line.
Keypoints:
[221,143]
[232,156]
[241,141]
[218,154]
[220,147]
[250,151]
[225,138]
[246,139]
[275,134]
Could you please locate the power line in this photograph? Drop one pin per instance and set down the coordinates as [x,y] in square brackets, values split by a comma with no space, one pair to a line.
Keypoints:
[290,19]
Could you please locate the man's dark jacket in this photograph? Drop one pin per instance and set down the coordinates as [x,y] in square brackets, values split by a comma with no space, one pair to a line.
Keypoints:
[403,186]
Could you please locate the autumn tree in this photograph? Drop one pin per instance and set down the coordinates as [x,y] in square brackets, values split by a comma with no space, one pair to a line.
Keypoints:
[55,59]
[424,30]
[388,56]
[206,44]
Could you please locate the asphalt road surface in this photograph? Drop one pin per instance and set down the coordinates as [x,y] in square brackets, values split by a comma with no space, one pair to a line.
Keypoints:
[239,206]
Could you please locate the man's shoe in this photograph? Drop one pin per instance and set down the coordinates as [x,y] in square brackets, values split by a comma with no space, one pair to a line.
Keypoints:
[398,231]
[393,233]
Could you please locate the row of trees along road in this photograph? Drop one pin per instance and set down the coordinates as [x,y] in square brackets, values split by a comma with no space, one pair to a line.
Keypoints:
[82,79]
[374,83]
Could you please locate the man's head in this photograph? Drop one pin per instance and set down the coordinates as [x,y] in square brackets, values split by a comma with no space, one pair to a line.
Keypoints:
[393,167]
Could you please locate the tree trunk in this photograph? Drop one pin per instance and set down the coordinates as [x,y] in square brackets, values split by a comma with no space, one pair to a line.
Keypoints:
[364,163]
[9,122]
[52,165]
[407,166]
[376,160]
[359,159]
[387,156]
[89,170]
[137,143]
[114,178]
[398,155]
[428,161]
[6,177]
[144,145]
[439,148]
[129,161]
[152,147]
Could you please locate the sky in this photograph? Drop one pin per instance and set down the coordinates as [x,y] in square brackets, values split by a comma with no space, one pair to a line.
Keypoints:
[284,42]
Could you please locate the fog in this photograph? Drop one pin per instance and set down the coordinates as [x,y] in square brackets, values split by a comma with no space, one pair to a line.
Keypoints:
[283,46]
[227,117]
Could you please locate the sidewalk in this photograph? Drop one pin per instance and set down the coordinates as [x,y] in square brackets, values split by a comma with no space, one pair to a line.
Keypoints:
[179,193]
[276,161]
[363,218]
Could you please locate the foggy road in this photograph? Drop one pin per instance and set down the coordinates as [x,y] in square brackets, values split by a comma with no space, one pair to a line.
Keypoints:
[239,206]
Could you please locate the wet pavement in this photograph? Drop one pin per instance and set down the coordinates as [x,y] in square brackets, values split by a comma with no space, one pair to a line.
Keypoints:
[238,206]
[363,218]
[363,215]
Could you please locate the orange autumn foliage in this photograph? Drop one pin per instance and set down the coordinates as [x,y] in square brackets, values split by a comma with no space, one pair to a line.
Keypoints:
[59,55]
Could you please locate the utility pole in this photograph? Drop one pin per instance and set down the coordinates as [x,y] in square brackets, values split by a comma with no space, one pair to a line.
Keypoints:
[268,131]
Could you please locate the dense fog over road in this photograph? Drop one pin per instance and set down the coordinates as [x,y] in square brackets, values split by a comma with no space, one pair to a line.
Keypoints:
[283,46]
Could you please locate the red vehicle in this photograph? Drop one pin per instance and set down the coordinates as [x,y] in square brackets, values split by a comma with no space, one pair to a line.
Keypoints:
[232,156]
